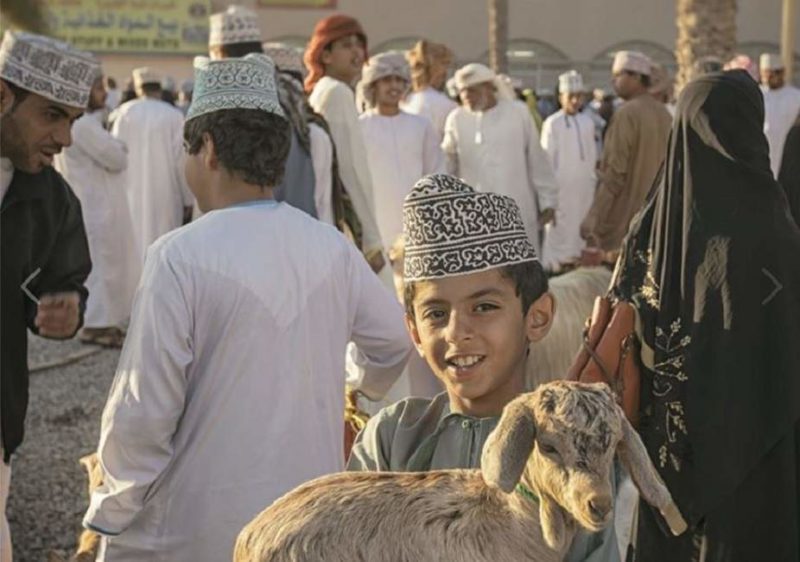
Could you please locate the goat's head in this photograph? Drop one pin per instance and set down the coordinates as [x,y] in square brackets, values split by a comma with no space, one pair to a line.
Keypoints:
[565,435]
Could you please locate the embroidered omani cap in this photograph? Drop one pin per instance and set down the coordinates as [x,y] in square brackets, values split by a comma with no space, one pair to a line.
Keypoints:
[451,229]
[48,67]
[285,57]
[234,83]
[770,61]
[571,83]
[145,75]
[632,61]
[234,25]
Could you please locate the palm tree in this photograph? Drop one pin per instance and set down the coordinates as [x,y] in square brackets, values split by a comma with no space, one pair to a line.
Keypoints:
[498,35]
[705,28]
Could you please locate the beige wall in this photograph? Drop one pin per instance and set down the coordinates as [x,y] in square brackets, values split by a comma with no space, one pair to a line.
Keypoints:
[580,29]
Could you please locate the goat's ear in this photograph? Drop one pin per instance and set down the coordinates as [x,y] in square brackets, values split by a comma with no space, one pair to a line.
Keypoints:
[508,447]
[554,524]
[634,458]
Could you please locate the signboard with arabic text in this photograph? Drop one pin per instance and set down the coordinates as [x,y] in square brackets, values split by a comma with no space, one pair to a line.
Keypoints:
[131,26]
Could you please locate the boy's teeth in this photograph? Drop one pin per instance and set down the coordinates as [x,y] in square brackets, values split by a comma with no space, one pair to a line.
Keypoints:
[466,361]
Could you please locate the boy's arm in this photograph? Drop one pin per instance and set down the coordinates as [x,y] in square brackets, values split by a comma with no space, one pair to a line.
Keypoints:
[378,332]
[146,400]
[369,452]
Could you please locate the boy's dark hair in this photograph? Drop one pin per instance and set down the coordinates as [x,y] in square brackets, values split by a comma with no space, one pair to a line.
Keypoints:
[238,50]
[528,278]
[250,143]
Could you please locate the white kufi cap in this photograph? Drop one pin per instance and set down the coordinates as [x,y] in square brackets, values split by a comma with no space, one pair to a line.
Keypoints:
[234,25]
[48,67]
[571,83]
[632,61]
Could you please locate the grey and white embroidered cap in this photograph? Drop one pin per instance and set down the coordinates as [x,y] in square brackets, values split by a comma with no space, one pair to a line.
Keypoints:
[48,67]
[451,229]
[234,83]
[286,57]
[234,25]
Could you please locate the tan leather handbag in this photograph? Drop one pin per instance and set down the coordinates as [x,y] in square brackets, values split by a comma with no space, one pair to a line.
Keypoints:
[610,353]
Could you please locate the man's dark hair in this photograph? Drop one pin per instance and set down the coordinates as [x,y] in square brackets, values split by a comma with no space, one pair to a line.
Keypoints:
[19,94]
[151,88]
[238,50]
[250,143]
[528,278]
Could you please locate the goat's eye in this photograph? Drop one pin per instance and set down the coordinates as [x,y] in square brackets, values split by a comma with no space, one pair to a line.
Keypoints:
[548,449]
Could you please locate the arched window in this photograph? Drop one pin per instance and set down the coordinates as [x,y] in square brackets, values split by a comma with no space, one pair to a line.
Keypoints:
[535,63]
[600,67]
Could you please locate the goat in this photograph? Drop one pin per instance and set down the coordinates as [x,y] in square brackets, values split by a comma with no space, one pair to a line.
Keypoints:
[574,294]
[89,541]
[546,470]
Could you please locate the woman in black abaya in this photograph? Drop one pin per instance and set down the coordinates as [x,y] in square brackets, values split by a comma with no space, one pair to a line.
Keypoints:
[712,264]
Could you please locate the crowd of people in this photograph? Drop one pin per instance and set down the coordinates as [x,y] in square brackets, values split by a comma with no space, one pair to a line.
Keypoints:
[238,240]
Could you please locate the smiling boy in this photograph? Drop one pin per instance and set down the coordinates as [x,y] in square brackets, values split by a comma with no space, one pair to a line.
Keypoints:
[476,297]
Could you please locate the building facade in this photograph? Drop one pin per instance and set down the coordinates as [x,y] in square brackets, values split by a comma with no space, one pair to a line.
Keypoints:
[546,37]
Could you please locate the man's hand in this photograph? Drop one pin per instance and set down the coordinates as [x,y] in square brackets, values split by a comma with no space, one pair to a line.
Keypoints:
[547,216]
[58,315]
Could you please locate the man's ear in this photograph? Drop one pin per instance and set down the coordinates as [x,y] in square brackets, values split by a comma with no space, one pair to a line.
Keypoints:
[209,152]
[540,317]
[6,98]
[411,326]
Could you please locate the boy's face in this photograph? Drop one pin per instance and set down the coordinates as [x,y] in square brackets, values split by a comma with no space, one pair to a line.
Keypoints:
[389,91]
[196,169]
[344,58]
[472,332]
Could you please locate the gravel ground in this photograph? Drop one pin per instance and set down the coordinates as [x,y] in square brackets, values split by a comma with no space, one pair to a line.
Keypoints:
[48,487]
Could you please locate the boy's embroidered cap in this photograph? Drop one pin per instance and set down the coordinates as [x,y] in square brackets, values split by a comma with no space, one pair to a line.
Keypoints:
[48,67]
[234,83]
[450,229]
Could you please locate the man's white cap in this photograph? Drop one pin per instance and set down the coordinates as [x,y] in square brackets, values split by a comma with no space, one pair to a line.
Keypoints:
[145,75]
[47,67]
[770,61]
[632,61]
[234,25]
[472,74]
[571,83]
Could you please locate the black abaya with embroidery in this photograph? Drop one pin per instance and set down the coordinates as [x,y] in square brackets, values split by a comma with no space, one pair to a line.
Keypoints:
[712,264]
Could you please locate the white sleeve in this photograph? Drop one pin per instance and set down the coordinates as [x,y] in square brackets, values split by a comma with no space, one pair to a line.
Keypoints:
[146,400]
[540,172]
[450,144]
[549,142]
[322,160]
[379,333]
[433,157]
[339,110]
[106,151]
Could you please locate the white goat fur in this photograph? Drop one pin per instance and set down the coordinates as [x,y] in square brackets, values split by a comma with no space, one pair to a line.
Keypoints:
[574,295]
[559,441]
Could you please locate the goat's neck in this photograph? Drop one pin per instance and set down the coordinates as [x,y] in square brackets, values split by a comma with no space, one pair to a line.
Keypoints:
[525,505]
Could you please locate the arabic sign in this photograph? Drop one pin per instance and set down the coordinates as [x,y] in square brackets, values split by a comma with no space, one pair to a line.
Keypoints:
[298,3]
[131,26]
